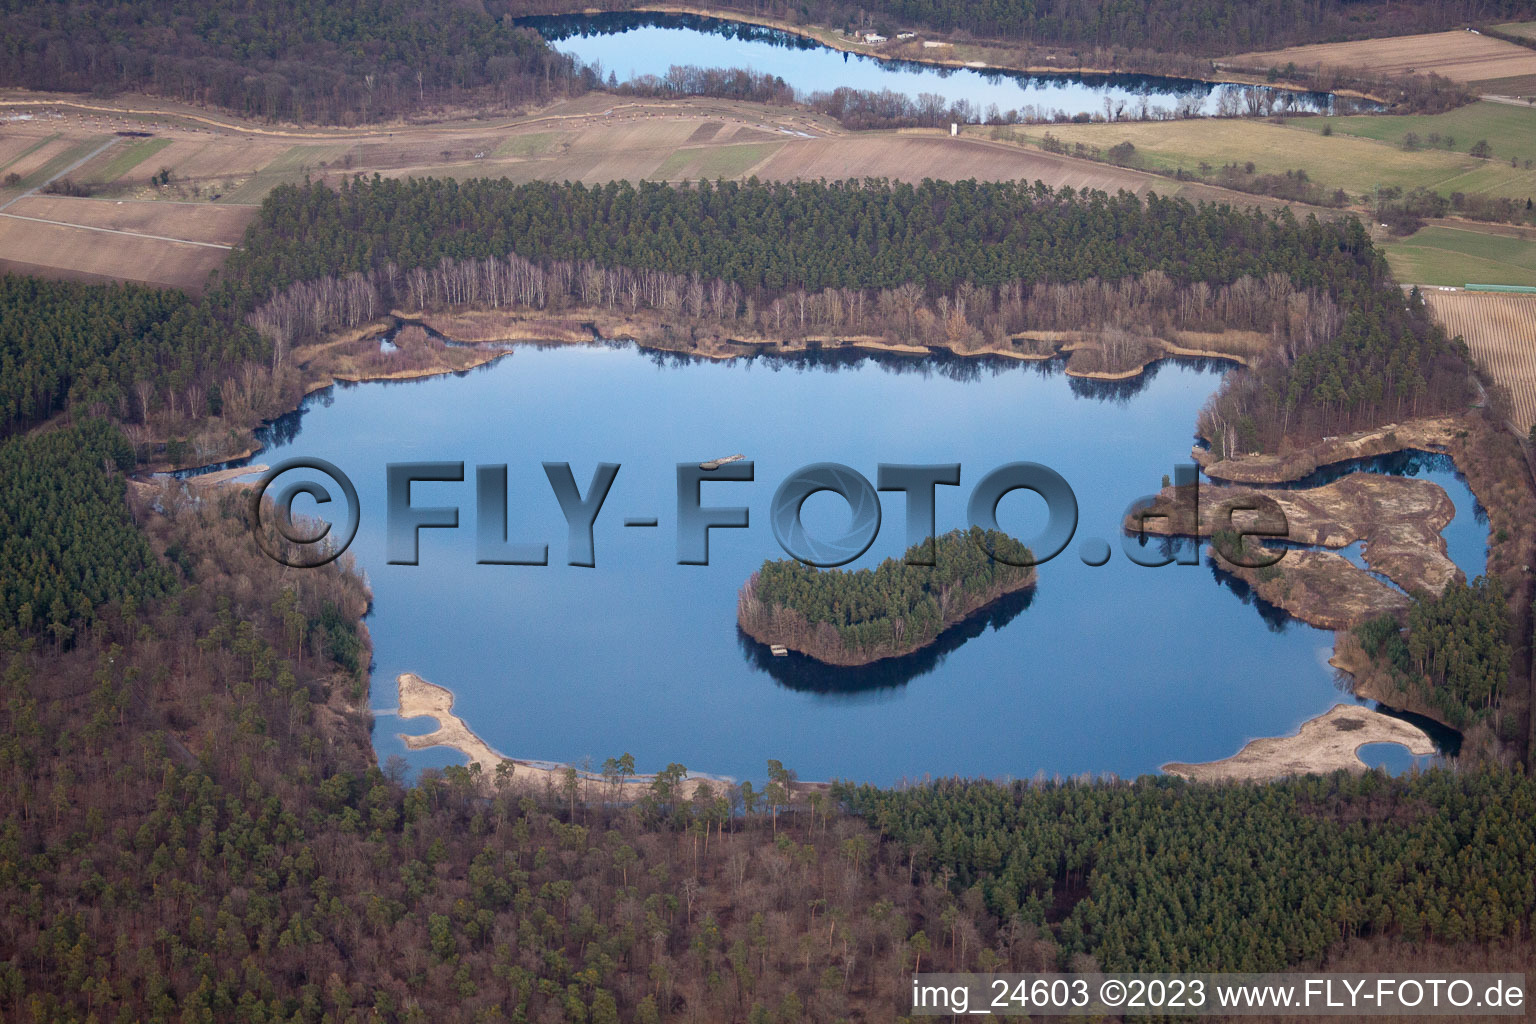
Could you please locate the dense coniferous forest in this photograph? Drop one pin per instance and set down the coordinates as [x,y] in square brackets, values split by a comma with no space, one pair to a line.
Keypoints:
[1388,361]
[67,544]
[296,60]
[780,244]
[1455,656]
[1164,875]
[772,236]
[114,349]
[855,617]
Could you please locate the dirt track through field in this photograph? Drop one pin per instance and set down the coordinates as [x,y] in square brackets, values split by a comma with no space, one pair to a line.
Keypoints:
[78,163]
[72,251]
[116,231]
[197,223]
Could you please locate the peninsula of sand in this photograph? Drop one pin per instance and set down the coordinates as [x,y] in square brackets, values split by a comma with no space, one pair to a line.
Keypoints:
[421,699]
[1330,742]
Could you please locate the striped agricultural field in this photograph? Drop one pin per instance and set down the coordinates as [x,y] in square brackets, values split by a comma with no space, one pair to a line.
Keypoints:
[1501,332]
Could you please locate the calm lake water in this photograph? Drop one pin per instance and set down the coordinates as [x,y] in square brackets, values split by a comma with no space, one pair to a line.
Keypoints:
[633,44]
[1114,669]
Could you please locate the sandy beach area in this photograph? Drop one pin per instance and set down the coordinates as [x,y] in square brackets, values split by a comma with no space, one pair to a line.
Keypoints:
[1326,743]
[421,699]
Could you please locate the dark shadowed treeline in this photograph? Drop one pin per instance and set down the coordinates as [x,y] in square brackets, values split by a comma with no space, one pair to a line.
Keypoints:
[349,64]
[322,62]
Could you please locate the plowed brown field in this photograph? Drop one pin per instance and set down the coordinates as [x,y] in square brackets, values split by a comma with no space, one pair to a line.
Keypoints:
[1501,331]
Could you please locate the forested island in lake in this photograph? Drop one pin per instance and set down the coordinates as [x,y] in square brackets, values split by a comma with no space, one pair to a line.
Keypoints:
[861,616]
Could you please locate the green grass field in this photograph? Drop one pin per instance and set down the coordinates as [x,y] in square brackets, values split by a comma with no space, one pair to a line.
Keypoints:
[1354,164]
[533,144]
[1351,160]
[713,161]
[255,188]
[287,169]
[1451,256]
[1508,129]
[126,158]
[299,158]
[1524,29]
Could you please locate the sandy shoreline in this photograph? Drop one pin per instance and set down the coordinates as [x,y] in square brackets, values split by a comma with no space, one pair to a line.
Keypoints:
[645,329]
[1323,744]
[421,699]
[224,475]
[1426,434]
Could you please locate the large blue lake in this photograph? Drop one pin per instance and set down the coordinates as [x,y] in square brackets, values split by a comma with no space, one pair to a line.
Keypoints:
[637,43]
[1114,669]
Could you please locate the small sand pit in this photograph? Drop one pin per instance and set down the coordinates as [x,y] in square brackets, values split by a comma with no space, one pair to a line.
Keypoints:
[1327,743]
